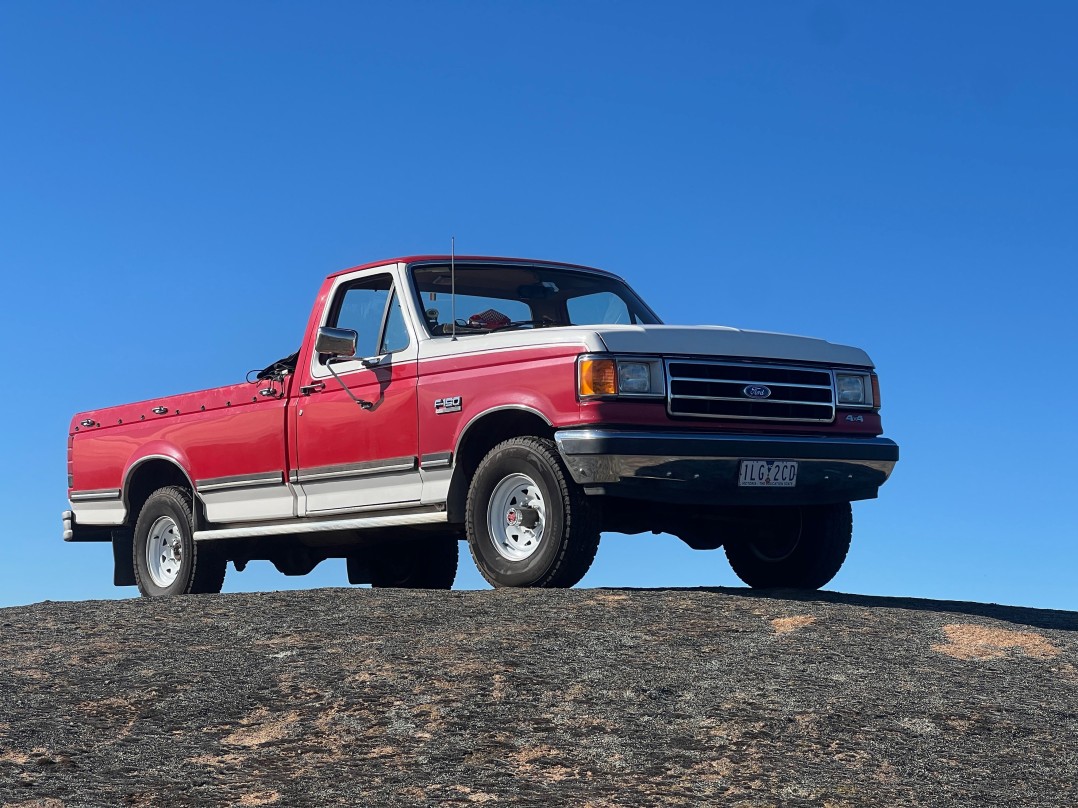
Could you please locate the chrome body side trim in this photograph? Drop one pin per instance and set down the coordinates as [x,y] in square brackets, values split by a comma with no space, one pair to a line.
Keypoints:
[95,494]
[366,468]
[307,525]
[436,460]
[240,481]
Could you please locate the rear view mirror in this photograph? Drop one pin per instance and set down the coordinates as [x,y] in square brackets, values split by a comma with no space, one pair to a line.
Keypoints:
[537,291]
[336,341]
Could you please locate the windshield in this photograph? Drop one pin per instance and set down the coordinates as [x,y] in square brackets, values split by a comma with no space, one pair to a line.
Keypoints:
[492,298]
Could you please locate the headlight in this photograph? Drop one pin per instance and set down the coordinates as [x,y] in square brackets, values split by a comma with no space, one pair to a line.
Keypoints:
[855,389]
[605,376]
[851,389]
[634,377]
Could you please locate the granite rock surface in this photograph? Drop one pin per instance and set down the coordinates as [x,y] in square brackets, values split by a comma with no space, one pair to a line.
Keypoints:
[584,697]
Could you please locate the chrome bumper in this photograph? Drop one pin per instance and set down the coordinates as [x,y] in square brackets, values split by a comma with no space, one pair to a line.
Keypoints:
[73,531]
[704,468]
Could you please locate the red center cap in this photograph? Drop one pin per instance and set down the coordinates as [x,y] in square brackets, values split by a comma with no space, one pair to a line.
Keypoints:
[511,517]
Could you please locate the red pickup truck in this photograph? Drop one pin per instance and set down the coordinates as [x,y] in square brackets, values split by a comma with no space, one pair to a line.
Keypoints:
[526,406]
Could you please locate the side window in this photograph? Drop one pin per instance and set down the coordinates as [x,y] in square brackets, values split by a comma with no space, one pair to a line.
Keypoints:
[371,308]
[604,308]
[396,333]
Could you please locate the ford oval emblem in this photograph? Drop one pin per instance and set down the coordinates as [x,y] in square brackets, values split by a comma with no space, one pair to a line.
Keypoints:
[756,391]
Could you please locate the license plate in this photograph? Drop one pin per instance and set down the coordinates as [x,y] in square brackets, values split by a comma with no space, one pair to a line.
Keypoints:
[769,473]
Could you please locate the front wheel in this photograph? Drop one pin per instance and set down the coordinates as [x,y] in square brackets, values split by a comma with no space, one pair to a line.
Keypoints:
[528,523]
[166,558]
[798,548]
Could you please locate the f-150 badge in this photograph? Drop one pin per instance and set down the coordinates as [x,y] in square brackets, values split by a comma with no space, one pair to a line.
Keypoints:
[444,405]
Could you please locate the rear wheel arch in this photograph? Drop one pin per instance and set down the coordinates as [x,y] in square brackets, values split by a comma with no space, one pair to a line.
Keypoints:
[479,436]
[165,556]
[142,479]
[147,475]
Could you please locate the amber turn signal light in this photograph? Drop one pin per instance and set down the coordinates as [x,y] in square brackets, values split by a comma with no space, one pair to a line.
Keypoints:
[875,391]
[598,377]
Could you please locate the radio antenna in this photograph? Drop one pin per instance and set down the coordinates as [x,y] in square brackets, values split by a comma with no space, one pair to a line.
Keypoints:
[453,283]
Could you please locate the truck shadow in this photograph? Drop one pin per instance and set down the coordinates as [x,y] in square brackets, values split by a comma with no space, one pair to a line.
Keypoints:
[1021,615]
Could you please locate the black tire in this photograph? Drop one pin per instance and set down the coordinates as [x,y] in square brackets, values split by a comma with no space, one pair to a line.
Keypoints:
[796,548]
[197,569]
[569,538]
[428,563]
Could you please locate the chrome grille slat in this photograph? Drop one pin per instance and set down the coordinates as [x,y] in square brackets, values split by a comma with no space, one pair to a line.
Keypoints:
[687,379]
[766,401]
[750,381]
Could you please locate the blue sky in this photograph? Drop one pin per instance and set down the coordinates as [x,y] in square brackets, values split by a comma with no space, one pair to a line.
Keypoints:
[175,180]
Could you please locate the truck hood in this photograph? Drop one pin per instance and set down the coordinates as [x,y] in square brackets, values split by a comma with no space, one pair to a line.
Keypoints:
[717,340]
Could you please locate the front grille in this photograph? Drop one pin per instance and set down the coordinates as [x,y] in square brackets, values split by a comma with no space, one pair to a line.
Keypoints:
[702,389]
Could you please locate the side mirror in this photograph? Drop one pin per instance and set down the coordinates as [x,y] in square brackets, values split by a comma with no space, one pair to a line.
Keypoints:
[336,341]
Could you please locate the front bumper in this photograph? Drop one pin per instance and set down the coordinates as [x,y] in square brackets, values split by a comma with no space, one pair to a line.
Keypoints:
[693,468]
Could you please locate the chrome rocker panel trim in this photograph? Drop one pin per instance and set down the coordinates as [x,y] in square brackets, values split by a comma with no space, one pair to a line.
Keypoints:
[413,516]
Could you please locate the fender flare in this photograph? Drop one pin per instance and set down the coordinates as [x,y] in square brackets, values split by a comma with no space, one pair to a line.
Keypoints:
[500,408]
[155,450]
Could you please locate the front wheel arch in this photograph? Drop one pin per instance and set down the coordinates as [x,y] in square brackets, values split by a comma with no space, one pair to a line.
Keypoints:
[569,537]
[478,437]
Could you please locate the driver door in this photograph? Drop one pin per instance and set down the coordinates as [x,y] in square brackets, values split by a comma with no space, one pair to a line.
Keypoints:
[350,458]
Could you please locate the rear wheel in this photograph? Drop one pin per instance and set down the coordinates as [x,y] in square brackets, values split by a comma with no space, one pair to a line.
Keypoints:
[528,523]
[166,558]
[799,548]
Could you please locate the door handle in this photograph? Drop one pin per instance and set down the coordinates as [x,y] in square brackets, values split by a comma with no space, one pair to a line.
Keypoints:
[313,387]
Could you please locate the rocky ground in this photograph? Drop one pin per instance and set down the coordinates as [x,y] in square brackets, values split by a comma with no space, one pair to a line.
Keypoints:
[582,697]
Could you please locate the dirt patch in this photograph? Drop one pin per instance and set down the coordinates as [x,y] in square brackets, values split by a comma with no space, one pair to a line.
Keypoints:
[608,597]
[538,762]
[260,798]
[262,727]
[965,641]
[218,761]
[475,796]
[784,625]
[18,758]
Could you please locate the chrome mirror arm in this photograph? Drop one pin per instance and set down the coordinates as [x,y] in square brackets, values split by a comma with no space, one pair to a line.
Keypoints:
[367,405]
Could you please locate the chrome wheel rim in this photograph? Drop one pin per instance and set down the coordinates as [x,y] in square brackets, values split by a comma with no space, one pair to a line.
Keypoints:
[516,517]
[164,551]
